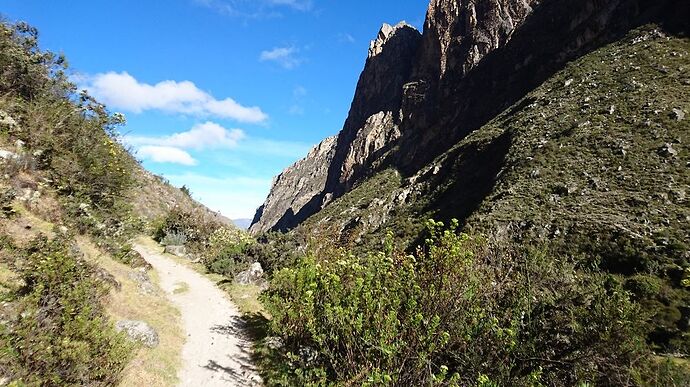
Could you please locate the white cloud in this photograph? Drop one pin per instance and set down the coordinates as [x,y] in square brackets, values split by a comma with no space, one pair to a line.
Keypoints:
[235,197]
[201,136]
[346,38]
[210,135]
[255,9]
[166,154]
[123,91]
[284,56]
[300,5]
[299,92]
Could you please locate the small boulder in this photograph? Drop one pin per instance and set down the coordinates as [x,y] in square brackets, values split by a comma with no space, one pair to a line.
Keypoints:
[138,331]
[7,155]
[143,281]
[678,114]
[667,150]
[252,276]
[179,251]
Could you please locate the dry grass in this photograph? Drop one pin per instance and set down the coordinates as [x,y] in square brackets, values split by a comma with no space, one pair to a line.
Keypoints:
[9,280]
[149,367]
[25,226]
[246,297]
[181,288]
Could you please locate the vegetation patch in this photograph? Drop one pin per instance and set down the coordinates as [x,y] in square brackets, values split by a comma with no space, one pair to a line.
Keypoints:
[181,288]
[149,366]
[59,333]
[459,311]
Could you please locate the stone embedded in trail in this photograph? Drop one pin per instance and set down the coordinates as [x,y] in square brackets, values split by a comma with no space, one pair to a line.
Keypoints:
[139,331]
[179,251]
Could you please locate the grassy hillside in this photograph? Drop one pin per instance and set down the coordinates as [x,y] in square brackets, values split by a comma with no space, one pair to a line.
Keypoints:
[594,163]
[586,178]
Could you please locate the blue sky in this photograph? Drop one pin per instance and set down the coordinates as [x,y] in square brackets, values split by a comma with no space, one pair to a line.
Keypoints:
[219,95]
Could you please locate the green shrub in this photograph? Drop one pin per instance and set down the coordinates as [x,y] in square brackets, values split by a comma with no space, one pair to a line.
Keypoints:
[226,253]
[70,140]
[61,335]
[195,224]
[460,311]
[276,250]
[7,196]
[174,238]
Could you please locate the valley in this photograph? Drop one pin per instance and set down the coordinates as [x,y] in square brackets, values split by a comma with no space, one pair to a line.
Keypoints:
[506,204]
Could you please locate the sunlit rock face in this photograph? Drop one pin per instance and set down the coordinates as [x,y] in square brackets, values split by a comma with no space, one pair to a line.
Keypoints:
[295,189]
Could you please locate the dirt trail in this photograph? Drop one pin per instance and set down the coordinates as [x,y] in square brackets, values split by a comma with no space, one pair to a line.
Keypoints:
[217,351]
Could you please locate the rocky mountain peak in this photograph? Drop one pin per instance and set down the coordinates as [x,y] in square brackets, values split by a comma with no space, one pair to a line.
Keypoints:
[386,33]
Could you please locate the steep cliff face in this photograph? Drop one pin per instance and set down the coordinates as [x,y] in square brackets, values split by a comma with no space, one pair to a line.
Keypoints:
[371,127]
[419,95]
[296,191]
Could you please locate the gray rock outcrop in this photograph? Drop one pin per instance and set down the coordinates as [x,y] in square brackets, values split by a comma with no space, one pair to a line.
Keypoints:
[252,276]
[179,251]
[138,331]
[369,131]
[143,281]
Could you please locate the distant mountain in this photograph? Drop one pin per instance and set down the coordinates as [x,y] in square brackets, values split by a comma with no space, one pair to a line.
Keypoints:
[242,223]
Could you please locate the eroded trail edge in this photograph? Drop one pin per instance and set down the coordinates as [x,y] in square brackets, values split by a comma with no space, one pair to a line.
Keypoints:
[217,351]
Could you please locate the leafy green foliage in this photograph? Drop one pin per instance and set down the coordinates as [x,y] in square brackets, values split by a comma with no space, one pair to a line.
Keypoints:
[276,250]
[72,136]
[69,139]
[60,335]
[174,238]
[580,166]
[460,311]
[226,251]
[194,224]
[221,247]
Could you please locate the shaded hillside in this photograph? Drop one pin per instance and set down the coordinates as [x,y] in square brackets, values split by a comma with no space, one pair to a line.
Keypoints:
[562,258]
